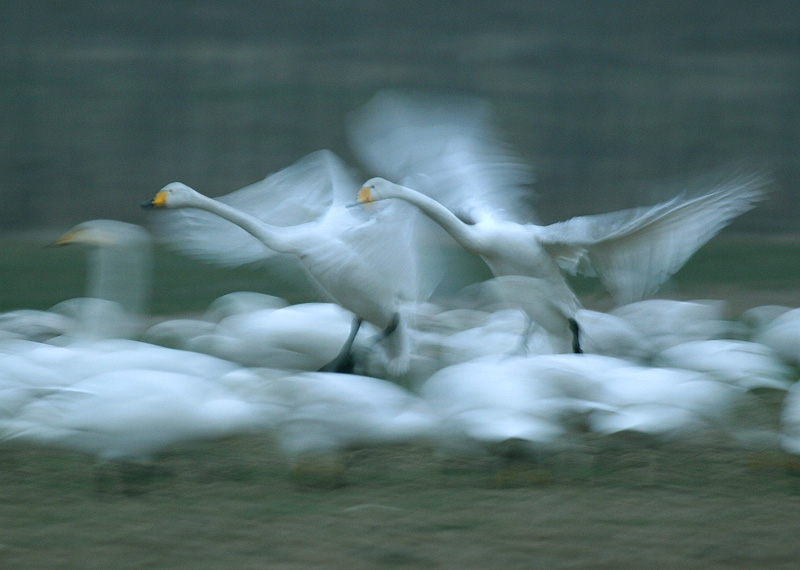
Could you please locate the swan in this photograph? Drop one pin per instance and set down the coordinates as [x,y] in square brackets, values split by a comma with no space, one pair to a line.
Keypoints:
[648,407]
[790,421]
[663,323]
[117,288]
[370,273]
[118,280]
[325,414]
[523,405]
[749,365]
[632,251]
[302,337]
[610,335]
[127,417]
[473,186]
[782,335]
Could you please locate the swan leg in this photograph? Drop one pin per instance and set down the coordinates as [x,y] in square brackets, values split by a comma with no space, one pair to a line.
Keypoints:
[343,362]
[396,342]
[575,330]
[395,322]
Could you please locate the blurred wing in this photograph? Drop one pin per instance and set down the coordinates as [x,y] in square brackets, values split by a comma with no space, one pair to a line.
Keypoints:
[393,243]
[635,251]
[452,144]
[303,192]
[300,193]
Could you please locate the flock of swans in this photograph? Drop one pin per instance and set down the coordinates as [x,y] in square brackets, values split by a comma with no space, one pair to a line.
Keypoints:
[514,367]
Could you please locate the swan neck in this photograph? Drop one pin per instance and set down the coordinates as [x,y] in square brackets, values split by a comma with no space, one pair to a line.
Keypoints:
[458,230]
[263,232]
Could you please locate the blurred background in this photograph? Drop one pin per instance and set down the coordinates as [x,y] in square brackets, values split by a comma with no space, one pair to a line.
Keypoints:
[105,102]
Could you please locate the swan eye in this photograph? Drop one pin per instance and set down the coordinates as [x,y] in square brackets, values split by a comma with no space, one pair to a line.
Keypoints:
[365,195]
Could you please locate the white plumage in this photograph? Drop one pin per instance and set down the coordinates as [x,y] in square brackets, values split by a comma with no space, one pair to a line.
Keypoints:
[368,266]
[473,186]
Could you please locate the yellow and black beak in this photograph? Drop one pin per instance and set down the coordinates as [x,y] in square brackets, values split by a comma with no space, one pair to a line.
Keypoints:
[365,195]
[159,201]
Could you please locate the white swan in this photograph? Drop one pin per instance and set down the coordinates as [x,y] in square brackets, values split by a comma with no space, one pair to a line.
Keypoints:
[748,365]
[790,421]
[133,414]
[118,281]
[649,407]
[325,414]
[367,268]
[300,337]
[527,404]
[473,186]
[632,251]
[662,323]
[117,290]
[125,418]
[782,335]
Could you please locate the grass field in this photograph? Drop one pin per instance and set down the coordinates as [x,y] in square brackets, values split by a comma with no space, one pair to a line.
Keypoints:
[230,504]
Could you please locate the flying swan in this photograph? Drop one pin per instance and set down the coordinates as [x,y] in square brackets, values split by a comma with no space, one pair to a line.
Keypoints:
[302,211]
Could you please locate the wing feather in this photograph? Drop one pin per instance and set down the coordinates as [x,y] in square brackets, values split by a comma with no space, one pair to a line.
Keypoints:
[634,252]
[450,143]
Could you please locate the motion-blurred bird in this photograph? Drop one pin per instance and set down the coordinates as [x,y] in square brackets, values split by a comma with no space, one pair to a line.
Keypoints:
[117,292]
[368,266]
[119,277]
[473,187]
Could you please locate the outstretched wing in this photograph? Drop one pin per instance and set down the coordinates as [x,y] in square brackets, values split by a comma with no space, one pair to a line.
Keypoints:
[634,252]
[301,193]
[394,243]
[451,150]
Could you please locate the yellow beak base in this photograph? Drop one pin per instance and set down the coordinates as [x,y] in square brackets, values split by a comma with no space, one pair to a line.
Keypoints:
[66,239]
[160,200]
[364,196]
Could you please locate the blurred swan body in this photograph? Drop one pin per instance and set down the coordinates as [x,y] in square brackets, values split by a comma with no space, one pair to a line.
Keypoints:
[117,289]
[365,265]
[330,411]
[133,414]
[632,251]
[748,365]
[663,323]
[655,405]
[790,421]
[752,321]
[118,281]
[473,186]
[193,334]
[551,317]
[45,366]
[528,402]
[30,324]
[299,337]
[782,335]
[610,335]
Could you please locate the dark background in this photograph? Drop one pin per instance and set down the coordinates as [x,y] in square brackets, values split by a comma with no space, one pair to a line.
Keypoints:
[105,102]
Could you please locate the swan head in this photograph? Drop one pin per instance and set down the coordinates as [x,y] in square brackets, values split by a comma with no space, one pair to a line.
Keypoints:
[103,233]
[173,195]
[375,189]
